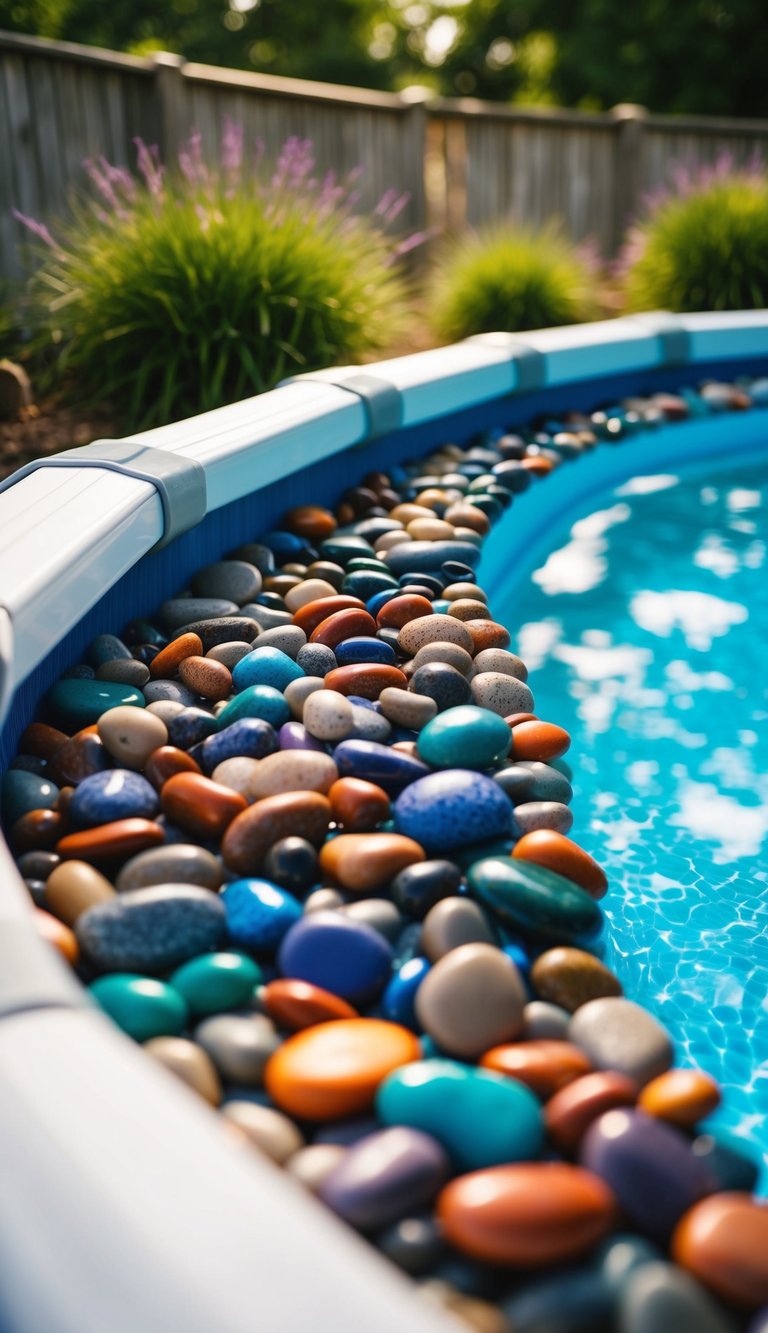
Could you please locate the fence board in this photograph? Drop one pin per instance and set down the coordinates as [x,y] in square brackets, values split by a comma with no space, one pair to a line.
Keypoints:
[462,161]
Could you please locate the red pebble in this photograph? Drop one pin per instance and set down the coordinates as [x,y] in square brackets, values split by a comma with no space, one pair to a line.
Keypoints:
[366,679]
[397,612]
[314,613]
[203,807]
[343,625]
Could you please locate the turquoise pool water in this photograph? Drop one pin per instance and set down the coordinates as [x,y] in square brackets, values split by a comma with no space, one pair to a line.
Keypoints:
[646,635]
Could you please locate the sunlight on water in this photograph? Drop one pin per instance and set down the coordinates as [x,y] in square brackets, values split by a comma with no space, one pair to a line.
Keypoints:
[646,632]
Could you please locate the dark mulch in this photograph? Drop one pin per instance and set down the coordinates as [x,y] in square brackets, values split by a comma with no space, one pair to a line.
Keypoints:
[47,429]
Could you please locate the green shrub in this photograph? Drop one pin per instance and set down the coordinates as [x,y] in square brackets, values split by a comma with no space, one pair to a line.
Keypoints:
[704,248]
[176,294]
[511,278]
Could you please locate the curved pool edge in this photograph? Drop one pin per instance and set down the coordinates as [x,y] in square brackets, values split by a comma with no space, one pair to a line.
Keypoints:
[212,1213]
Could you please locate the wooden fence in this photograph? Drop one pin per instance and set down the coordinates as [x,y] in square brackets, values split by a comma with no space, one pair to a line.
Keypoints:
[461,161]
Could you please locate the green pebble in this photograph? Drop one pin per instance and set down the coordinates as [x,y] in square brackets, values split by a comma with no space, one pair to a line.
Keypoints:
[142,1006]
[464,737]
[365,562]
[534,900]
[22,792]
[441,606]
[75,704]
[481,1118]
[256,701]
[215,982]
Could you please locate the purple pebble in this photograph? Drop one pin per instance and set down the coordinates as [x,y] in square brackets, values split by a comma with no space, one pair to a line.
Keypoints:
[294,736]
[385,1176]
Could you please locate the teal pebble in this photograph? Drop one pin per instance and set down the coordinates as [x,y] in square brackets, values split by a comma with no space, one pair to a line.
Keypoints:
[75,704]
[480,1117]
[534,900]
[22,792]
[256,701]
[215,982]
[142,1006]
[265,666]
[464,737]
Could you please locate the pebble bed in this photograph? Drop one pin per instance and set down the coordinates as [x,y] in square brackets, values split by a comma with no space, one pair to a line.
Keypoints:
[303,836]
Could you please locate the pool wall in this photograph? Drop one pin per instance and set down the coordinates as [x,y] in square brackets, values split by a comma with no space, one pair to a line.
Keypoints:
[123,1206]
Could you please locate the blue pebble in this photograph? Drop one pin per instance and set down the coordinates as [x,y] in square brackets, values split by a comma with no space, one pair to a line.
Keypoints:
[261,701]
[342,955]
[285,546]
[425,580]
[265,666]
[363,649]
[390,769]
[379,599]
[429,557]
[258,913]
[190,727]
[251,737]
[453,808]
[107,648]
[116,793]
[568,1301]
[23,792]
[398,1003]
[363,583]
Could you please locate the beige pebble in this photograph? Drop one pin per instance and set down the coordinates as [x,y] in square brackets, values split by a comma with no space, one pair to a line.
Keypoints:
[189,1062]
[501,694]
[177,863]
[311,1165]
[310,590]
[471,999]
[323,900]
[289,639]
[229,654]
[455,591]
[74,886]
[430,530]
[387,540]
[165,709]
[433,629]
[502,662]
[287,770]
[298,691]
[467,515]
[407,709]
[239,1045]
[131,735]
[449,653]
[451,923]
[268,1130]
[406,513]
[328,716]
[468,608]
[532,815]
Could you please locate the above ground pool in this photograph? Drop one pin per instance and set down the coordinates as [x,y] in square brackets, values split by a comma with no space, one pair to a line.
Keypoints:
[286,696]
[644,631]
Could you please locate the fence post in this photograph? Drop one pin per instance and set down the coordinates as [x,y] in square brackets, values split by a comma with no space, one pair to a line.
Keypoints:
[415,101]
[629,126]
[169,99]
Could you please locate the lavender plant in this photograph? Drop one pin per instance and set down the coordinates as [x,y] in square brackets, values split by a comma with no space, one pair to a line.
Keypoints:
[702,244]
[173,292]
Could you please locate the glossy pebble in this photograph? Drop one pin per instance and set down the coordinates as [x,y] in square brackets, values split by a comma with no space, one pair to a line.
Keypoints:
[211,680]
[114,794]
[109,842]
[618,1034]
[466,737]
[384,1176]
[189,1063]
[337,953]
[199,805]
[481,1118]
[74,886]
[649,1166]
[681,1097]
[178,863]
[131,735]
[295,1005]
[79,703]
[543,1066]
[526,1215]
[555,852]
[660,1298]
[471,999]
[570,977]
[251,737]
[216,981]
[151,930]
[366,862]
[571,1110]
[357,805]
[258,913]
[723,1241]
[252,833]
[265,666]
[335,1069]
[268,1130]
[451,809]
[142,1006]
[259,701]
[419,887]
[365,680]
[534,900]
[452,922]
[380,764]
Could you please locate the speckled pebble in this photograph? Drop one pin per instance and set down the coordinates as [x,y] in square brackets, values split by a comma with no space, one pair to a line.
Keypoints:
[533,815]
[433,629]
[117,793]
[151,930]
[327,715]
[452,809]
[502,694]
[501,662]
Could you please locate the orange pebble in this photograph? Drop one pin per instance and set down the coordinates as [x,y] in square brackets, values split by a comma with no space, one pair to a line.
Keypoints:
[296,1005]
[59,935]
[203,807]
[681,1096]
[723,1241]
[540,467]
[342,625]
[169,659]
[539,740]
[486,634]
[530,1214]
[334,1070]
[515,719]
[545,847]
[544,1066]
[358,805]
[365,862]
[397,612]
[37,830]
[121,838]
[366,679]
[314,613]
[165,761]
[206,677]
[310,521]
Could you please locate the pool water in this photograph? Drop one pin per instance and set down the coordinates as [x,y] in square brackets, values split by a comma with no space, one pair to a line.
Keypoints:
[646,635]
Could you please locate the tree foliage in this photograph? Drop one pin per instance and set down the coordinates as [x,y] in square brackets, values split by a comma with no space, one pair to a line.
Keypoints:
[695,56]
